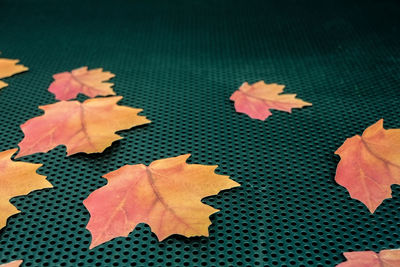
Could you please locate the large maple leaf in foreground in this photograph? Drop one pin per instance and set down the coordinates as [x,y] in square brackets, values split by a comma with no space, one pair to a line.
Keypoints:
[67,85]
[370,164]
[166,195]
[16,178]
[16,263]
[385,258]
[82,127]
[9,67]
[257,99]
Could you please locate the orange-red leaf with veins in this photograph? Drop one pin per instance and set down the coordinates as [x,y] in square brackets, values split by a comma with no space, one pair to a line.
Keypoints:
[385,258]
[16,178]
[82,127]
[257,99]
[166,195]
[16,263]
[9,67]
[67,85]
[370,164]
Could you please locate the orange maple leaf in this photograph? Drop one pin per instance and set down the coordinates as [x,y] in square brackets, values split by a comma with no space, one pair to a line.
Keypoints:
[370,164]
[16,263]
[16,178]
[3,84]
[385,258]
[166,195]
[67,85]
[82,127]
[9,67]
[257,99]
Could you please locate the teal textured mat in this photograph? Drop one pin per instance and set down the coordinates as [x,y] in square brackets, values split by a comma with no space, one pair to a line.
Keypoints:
[180,61]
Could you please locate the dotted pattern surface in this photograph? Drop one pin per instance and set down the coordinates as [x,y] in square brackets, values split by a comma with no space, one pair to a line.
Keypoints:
[180,61]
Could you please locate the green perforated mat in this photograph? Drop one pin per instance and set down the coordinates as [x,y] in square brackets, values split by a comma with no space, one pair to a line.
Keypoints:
[180,61]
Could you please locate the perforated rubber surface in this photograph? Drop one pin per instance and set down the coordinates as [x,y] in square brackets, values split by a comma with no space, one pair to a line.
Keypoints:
[180,61]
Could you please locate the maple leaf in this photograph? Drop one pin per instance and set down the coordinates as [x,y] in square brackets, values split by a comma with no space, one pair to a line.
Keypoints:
[2,84]
[16,178]
[82,127]
[67,85]
[166,195]
[257,99]
[16,263]
[370,164]
[9,67]
[385,258]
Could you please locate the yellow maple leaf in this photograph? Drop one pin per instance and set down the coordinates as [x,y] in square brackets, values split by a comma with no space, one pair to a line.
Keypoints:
[16,178]
[166,195]
[9,67]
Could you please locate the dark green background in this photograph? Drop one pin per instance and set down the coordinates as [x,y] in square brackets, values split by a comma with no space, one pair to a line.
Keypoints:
[180,61]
